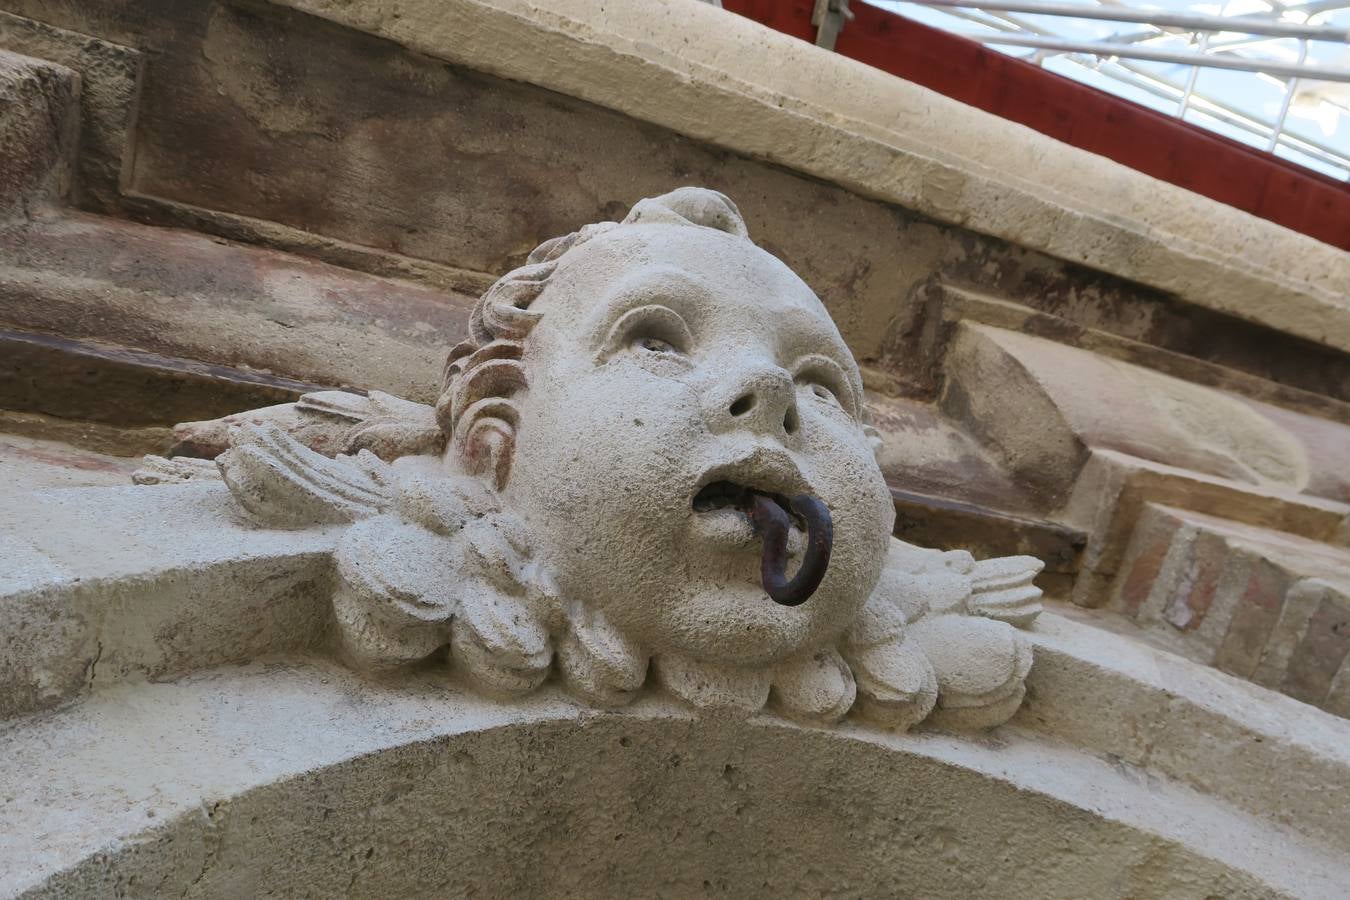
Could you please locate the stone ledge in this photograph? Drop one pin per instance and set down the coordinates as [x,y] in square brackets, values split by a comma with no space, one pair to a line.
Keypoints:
[1096,686]
[186,295]
[169,589]
[92,382]
[301,777]
[724,79]
[1090,689]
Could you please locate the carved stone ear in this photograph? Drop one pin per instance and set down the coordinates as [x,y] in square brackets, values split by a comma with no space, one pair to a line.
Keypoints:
[488,445]
[477,410]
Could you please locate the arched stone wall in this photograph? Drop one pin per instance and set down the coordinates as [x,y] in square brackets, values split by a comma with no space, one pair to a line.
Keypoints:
[623,805]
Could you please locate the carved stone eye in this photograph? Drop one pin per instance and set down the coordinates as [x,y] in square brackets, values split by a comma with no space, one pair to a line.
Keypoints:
[654,345]
[824,393]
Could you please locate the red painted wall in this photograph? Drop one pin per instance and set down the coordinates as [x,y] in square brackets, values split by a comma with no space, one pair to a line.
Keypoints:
[1141,138]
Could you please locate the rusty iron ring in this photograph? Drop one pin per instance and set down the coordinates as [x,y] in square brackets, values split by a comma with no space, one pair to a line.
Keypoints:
[771,523]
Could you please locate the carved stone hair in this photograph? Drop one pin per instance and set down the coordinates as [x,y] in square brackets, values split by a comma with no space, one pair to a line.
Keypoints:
[482,374]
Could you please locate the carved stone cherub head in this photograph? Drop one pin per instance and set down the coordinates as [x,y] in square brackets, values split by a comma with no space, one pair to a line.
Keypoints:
[638,416]
[627,384]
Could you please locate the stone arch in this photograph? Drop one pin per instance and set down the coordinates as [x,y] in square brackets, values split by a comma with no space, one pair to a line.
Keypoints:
[648,805]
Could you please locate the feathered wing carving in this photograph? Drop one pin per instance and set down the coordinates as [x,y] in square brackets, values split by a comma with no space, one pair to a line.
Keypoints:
[283,484]
[329,422]
[939,639]
[1002,589]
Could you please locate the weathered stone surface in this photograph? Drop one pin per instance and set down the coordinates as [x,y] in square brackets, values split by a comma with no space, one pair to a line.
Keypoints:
[109,84]
[343,178]
[29,464]
[715,77]
[1078,404]
[185,295]
[1261,604]
[1244,362]
[300,778]
[89,382]
[1098,686]
[729,478]
[39,128]
[999,380]
[126,583]
[1113,489]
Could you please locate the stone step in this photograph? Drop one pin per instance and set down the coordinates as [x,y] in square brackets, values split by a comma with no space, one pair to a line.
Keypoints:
[1261,604]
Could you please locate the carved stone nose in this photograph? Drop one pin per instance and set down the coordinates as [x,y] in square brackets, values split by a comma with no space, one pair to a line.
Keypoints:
[763,402]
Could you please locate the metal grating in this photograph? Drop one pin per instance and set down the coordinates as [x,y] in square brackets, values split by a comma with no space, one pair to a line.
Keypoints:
[1271,75]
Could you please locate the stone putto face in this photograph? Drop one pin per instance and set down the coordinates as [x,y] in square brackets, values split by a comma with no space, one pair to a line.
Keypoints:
[582,499]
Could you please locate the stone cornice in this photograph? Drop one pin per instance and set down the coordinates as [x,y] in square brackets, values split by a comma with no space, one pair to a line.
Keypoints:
[719,78]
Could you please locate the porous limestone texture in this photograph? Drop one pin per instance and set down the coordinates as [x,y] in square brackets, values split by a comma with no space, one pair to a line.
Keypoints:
[301,779]
[39,125]
[482,625]
[549,519]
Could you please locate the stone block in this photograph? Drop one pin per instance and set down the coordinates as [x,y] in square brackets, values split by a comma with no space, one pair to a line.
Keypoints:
[999,381]
[186,296]
[1321,654]
[149,591]
[1254,619]
[110,84]
[1264,605]
[1113,490]
[39,129]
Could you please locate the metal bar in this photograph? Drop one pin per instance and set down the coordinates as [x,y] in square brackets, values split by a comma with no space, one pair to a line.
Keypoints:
[1289,90]
[829,17]
[1322,6]
[1187,21]
[1154,84]
[1132,51]
[1190,80]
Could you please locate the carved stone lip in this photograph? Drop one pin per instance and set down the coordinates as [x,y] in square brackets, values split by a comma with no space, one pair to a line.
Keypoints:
[764,469]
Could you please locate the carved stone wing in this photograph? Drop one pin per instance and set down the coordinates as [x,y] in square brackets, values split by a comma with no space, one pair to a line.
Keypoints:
[330,422]
[284,484]
[1001,589]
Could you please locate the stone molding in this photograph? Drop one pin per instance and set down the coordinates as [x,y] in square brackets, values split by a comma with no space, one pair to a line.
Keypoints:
[718,77]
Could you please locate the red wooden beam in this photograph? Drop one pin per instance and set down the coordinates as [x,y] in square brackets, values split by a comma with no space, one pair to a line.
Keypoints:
[1143,139]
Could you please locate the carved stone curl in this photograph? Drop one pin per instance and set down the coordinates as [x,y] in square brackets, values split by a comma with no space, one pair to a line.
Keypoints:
[576,501]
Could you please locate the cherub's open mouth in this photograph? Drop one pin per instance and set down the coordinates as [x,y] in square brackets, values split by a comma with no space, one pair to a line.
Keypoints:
[730,495]
[772,515]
